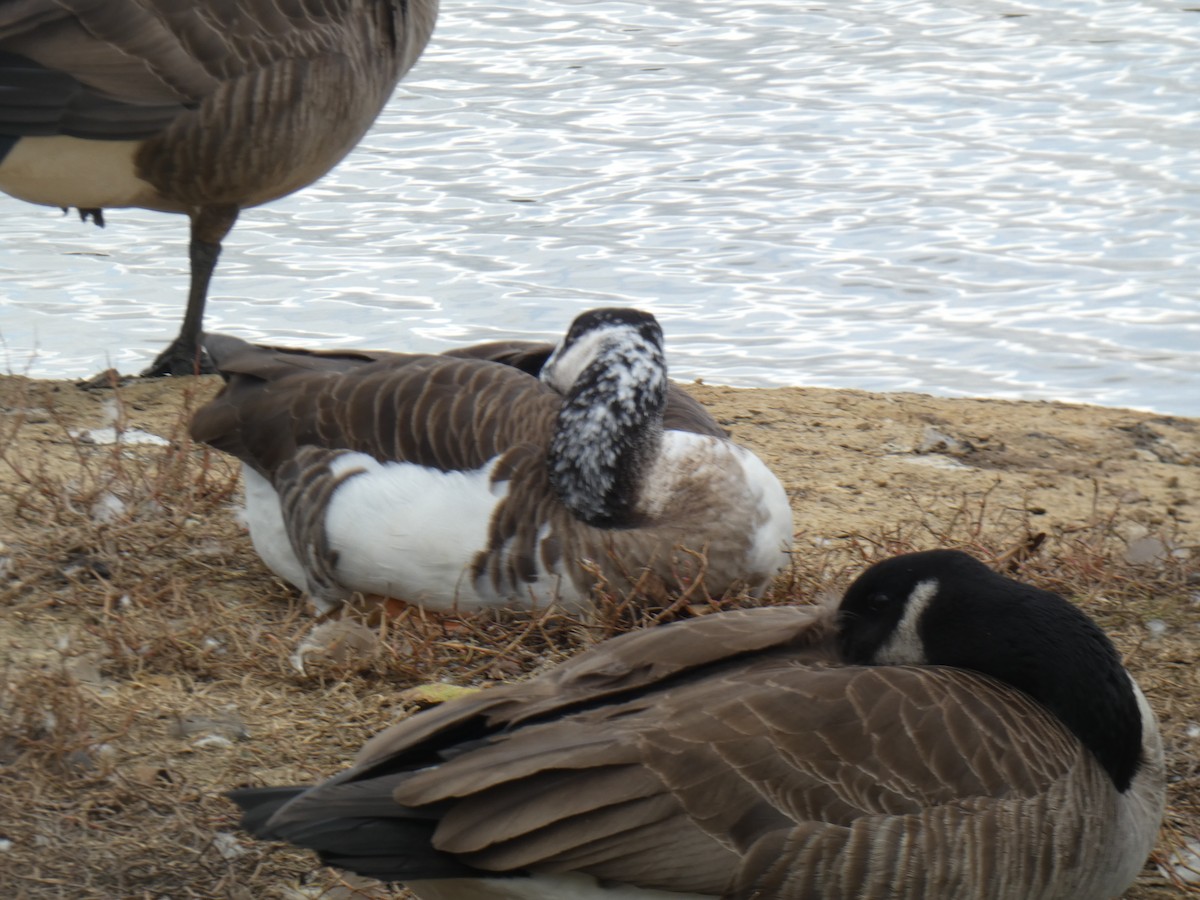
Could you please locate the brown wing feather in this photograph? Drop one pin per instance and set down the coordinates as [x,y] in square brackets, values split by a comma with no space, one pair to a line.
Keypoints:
[451,414]
[528,356]
[160,51]
[765,755]
[633,662]
[778,774]
[306,483]
[644,836]
[121,49]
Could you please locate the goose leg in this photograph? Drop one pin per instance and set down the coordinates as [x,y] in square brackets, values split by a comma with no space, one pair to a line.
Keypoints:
[183,356]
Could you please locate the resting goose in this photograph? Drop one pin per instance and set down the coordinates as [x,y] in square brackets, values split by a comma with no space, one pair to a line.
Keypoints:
[948,734]
[205,107]
[462,482]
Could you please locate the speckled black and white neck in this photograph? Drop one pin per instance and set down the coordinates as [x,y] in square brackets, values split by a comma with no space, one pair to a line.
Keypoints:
[611,370]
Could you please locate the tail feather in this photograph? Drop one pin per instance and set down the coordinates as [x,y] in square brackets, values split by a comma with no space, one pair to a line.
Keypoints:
[390,843]
[258,805]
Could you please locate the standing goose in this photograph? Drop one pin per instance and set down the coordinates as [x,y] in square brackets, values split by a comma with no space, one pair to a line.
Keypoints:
[949,734]
[462,482]
[204,107]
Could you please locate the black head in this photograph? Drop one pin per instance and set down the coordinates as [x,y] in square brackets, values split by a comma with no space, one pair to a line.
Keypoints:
[614,316]
[880,611]
[597,334]
[945,608]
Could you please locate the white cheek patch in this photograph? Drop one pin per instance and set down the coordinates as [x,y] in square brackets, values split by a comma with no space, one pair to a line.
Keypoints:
[904,647]
[566,363]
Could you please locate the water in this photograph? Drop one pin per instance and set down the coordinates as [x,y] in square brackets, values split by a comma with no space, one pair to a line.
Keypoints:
[969,197]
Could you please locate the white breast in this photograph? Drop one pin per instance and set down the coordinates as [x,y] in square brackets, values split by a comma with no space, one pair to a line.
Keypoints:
[1139,810]
[767,501]
[66,171]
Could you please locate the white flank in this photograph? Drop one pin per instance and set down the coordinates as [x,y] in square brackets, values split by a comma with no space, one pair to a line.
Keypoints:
[267,531]
[412,532]
[746,498]
[66,171]
[404,531]
[772,536]
[571,886]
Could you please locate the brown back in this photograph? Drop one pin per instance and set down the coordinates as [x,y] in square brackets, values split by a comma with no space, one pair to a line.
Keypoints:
[731,756]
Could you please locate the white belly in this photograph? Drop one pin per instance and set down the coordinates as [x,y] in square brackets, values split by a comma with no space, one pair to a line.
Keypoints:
[66,171]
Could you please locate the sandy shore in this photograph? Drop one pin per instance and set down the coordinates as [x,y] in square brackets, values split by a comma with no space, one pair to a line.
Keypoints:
[145,648]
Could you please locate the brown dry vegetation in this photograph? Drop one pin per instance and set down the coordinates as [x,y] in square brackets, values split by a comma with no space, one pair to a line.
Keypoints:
[144,650]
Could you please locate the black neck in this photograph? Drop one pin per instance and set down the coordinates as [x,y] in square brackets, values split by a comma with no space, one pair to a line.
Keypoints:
[1044,646]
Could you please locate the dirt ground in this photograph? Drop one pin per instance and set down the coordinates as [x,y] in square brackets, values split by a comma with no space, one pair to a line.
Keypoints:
[144,650]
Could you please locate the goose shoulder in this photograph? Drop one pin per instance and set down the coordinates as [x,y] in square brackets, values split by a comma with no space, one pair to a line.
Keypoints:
[683,411]
[767,753]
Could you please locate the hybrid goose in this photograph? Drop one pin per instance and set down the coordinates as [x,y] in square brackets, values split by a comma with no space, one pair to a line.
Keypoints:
[205,107]
[503,475]
[950,734]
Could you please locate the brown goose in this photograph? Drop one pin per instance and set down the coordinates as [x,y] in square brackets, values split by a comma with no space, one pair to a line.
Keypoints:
[205,107]
[504,475]
[951,734]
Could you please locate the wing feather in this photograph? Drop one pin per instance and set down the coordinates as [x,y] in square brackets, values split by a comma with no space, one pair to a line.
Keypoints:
[450,414]
[729,757]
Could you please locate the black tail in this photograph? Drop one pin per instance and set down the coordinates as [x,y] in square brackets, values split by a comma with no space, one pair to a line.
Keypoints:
[383,841]
[259,804]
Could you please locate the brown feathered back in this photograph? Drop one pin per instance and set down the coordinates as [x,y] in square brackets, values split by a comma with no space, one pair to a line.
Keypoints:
[451,414]
[290,415]
[730,756]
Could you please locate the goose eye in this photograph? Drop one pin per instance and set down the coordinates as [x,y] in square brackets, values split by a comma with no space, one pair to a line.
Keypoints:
[878,601]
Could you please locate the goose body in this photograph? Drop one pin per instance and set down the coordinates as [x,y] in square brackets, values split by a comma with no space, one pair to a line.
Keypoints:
[204,108]
[880,753]
[504,475]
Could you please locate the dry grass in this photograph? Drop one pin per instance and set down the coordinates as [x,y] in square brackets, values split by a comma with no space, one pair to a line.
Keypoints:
[145,657]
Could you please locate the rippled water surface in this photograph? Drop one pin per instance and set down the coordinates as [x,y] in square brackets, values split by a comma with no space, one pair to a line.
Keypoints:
[966,197]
